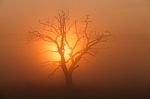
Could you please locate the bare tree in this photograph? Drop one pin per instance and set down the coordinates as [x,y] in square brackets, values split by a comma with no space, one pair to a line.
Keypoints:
[57,34]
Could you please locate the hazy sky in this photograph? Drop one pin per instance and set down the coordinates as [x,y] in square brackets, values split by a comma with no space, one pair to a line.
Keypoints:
[126,63]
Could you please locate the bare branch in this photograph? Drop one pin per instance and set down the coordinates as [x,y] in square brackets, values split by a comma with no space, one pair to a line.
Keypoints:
[76,67]
[46,23]
[53,72]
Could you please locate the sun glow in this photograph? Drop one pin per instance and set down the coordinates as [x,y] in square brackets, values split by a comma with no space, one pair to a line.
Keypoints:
[52,51]
[54,55]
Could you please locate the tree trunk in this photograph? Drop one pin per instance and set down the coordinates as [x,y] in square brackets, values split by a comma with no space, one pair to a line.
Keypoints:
[69,84]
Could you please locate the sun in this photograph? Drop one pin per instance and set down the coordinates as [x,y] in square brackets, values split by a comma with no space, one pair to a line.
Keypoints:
[52,51]
[53,54]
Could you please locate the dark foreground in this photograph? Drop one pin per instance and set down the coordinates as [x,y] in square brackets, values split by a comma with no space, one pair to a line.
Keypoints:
[36,92]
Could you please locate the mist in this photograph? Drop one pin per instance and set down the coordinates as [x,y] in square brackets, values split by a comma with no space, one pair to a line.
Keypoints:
[122,63]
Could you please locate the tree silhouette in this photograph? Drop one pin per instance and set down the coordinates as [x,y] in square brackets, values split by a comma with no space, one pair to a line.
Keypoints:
[57,34]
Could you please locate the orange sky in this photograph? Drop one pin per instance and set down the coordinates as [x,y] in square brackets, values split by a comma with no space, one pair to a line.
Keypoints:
[124,62]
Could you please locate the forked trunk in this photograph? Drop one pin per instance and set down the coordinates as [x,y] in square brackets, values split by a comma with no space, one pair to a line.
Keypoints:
[67,73]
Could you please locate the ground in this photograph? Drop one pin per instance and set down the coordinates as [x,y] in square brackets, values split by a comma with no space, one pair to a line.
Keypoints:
[34,92]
